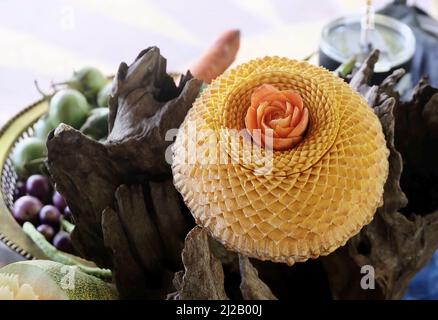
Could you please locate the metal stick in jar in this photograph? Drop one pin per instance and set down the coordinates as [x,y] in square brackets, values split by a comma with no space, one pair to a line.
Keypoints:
[367,25]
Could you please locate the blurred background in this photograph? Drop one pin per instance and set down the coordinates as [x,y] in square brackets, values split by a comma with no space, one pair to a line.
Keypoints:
[46,40]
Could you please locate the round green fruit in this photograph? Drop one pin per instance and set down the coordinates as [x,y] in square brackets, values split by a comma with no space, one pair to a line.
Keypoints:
[89,81]
[43,127]
[96,126]
[25,152]
[69,106]
[104,95]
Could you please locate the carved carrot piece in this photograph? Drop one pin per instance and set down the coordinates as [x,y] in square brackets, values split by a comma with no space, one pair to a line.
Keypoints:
[279,114]
[218,57]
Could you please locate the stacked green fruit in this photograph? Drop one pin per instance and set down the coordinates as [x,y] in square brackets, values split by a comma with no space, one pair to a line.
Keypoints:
[104,95]
[26,153]
[89,81]
[69,106]
[96,125]
[81,104]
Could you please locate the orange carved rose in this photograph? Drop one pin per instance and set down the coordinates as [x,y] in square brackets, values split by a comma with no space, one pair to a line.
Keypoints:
[279,116]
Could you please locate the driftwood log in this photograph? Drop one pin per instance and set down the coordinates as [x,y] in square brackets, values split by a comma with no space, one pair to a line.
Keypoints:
[397,243]
[128,214]
[130,218]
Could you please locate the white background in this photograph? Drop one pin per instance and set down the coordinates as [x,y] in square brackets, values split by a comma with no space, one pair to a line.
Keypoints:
[46,40]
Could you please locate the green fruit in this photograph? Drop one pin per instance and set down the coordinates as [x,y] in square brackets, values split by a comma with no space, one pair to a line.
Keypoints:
[48,280]
[69,106]
[36,166]
[96,125]
[104,95]
[89,81]
[25,152]
[59,256]
[43,127]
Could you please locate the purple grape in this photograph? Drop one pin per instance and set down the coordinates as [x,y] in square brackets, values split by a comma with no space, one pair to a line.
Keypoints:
[58,201]
[26,208]
[50,215]
[67,213]
[47,231]
[20,190]
[38,186]
[62,242]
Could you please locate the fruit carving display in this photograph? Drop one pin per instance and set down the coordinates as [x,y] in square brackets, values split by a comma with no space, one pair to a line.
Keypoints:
[302,195]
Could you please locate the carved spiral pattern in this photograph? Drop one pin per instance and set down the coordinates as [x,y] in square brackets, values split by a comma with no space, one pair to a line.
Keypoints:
[284,206]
